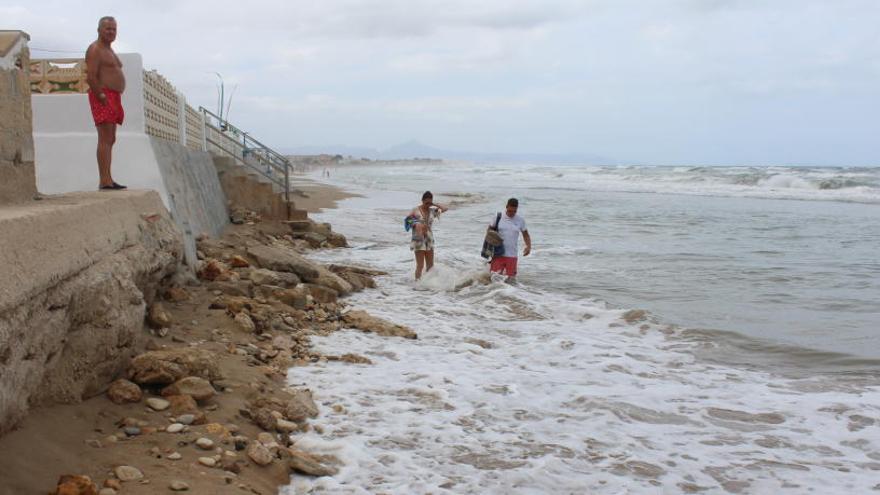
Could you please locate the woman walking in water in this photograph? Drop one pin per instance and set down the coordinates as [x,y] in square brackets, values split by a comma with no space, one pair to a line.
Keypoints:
[422,243]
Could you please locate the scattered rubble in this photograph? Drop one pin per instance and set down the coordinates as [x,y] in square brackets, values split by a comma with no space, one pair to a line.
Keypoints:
[215,395]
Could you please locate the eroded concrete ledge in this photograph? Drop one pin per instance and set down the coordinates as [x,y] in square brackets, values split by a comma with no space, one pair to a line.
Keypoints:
[80,270]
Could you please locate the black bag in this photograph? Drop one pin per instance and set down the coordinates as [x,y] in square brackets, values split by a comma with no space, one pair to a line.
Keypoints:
[490,251]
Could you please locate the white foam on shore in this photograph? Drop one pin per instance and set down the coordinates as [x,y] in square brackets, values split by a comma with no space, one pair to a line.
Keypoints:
[567,398]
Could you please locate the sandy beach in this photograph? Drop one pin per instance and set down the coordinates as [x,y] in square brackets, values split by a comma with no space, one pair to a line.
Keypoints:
[314,196]
[247,326]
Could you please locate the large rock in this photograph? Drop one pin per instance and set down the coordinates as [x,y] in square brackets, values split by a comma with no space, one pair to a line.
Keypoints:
[122,391]
[296,298]
[366,322]
[321,293]
[197,388]
[244,322]
[259,454]
[335,268]
[182,404]
[314,239]
[284,260]
[305,463]
[164,367]
[158,317]
[264,418]
[329,279]
[213,270]
[301,406]
[336,239]
[262,276]
[358,281]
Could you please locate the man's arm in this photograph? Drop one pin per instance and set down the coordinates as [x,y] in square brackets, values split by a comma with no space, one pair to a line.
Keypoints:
[528,239]
[93,67]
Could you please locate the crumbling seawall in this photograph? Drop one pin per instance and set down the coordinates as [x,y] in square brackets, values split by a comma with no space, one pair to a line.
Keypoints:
[79,272]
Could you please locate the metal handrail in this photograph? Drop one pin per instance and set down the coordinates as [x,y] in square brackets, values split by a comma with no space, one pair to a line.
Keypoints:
[250,147]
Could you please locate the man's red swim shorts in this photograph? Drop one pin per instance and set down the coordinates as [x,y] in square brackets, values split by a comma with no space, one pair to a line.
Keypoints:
[504,264]
[110,112]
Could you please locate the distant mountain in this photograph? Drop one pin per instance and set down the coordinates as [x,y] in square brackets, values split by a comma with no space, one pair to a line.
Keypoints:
[416,149]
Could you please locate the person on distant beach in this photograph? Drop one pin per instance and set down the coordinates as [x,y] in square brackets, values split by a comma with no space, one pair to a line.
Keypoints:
[509,227]
[422,243]
[106,85]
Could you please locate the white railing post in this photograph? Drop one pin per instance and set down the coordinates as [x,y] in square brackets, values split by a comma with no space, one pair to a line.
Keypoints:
[181,117]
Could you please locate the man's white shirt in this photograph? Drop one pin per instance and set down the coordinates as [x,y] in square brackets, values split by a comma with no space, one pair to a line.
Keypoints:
[509,229]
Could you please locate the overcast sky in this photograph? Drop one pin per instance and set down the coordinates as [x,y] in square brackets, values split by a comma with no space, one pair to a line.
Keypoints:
[692,82]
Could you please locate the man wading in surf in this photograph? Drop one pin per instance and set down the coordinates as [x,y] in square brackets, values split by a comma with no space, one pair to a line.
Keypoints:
[509,226]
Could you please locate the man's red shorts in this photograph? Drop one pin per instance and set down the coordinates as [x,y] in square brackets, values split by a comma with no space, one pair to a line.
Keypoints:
[110,112]
[504,264]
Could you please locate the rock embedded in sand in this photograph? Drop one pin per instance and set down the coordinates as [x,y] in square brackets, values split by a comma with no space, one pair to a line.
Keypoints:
[244,323]
[301,406]
[264,418]
[305,463]
[262,276]
[178,486]
[321,293]
[122,391]
[158,404]
[240,442]
[174,456]
[366,322]
[113,483]
[163,367]
[175,427]
[296,297]
[107,491]
[186,410]
[176,294]
[237,261]
[286,426]
[213,270]
[207,461]
[197,388]
[128,473]
[259,454]
[71,484]
[332,280]
[158,317]
[205,443]
[283,260]
[132,431]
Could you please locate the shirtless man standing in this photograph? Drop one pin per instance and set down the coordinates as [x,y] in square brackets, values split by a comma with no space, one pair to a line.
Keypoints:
[106,84]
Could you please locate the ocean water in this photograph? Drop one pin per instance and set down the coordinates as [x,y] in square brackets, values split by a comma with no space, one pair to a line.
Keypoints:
[756,368]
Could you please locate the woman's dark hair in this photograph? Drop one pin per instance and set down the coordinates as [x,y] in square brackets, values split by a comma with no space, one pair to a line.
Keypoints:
[513,202]
[427,195]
